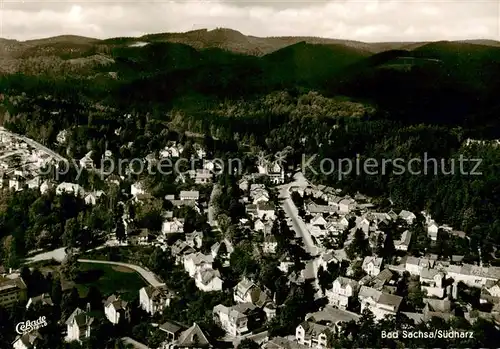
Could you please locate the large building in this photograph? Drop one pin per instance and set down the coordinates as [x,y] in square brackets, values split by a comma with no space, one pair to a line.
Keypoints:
[12,291]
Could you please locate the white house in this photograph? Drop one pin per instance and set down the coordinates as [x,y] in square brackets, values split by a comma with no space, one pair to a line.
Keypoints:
[234,320]
[342,291]
[70,188]
[318,220]
[196,262]
[432,230]
[78,326]
[92,198]
[379,303]
[372,265]
[407,216]
[208,280]
[347,205]
[137,189]
[259,225]
[270,244]
[404,243]
[45,186]
[414,265]
[312,334]
[189,195]
[172,227]
[86,161]
[116,310]
[473,275]
[154,299]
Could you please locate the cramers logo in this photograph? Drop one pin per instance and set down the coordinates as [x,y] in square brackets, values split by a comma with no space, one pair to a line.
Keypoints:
[29,326]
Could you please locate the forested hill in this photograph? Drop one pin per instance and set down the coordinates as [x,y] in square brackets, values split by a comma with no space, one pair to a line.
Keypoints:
[334,98]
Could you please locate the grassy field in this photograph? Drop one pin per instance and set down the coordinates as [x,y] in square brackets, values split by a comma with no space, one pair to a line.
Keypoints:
[109,279]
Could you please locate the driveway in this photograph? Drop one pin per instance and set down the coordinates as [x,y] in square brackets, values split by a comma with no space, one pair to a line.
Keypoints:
[147,275]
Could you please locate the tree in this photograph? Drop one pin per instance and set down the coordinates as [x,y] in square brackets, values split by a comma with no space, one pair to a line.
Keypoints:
[70,267]
[359,246]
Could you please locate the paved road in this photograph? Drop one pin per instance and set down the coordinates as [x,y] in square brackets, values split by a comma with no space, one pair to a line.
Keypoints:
[33,143]
[147,275]
[292,212]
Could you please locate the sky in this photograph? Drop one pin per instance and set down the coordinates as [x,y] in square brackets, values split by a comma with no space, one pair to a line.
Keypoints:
[363,20]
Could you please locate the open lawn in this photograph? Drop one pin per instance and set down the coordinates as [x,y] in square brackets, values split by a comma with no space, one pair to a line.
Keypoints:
[109,279]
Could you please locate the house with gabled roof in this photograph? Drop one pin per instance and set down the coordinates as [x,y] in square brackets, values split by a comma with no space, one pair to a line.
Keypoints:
[381,304]
[407,216]
[236,320]
[43,300]
[196,262]
[193,338]
[208,280]
[266,210]
[343,291]
[78,325]
[372,265]
[27,341]
[154,299]
[404,242]
[116,309]
[172,330]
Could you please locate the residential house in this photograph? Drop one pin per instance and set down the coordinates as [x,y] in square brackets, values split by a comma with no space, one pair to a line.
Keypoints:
[137,189]
[174,226]
[192,338]
[432,230]
[407,216]
[189,195]
[78,325]
[270,244]
[259,225]
[208,280]
[266,210]
[196,262]
[41,300]
[414,265]
[318,220]
[472,275]
[195,239]
[431,280]
[246,291]
[347,205]
[222,249]
[92,198]
[27,341]
[236,320]
[379,303]
[312,334]
[86,161]
[372,265]
[179,250]
[70,188]
[404,243]
[173,151]
[342,292]
[116,310]
[154,299]
[46,186]
[172,330]
[12,291]
[243,184]
[201,176]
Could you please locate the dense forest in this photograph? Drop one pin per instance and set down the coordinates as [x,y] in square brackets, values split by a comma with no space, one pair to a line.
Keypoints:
[329,100]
